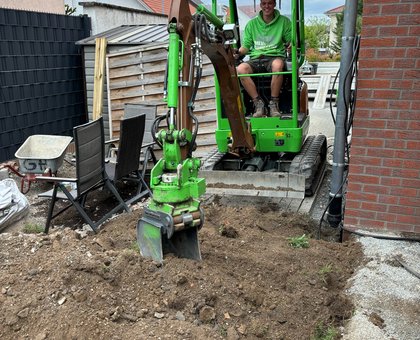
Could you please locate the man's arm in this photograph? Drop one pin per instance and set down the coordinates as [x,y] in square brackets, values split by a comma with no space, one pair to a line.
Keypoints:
[242,51]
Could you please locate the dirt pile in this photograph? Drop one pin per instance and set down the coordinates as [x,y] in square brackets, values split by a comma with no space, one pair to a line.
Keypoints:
[250,284]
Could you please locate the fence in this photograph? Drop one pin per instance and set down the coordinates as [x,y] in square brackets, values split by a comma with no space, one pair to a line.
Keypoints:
[41,76]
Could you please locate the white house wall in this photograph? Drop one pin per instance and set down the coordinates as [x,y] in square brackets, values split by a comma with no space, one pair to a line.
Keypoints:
[104,18]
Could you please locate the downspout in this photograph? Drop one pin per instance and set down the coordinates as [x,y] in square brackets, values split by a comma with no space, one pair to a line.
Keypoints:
[337,180]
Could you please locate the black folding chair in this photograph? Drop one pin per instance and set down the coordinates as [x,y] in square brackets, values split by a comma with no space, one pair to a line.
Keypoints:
[126,167]
[89,143]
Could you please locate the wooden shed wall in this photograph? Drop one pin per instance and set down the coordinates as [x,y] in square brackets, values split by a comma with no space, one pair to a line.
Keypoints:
[137,76]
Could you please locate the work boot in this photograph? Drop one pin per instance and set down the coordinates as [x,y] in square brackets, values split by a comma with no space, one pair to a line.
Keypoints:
[259,108]
[274,108]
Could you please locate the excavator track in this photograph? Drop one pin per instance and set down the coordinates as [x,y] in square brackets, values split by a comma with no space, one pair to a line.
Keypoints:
[310,162]
[305,172]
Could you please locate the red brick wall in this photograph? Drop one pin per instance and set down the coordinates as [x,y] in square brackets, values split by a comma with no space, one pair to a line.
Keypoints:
[384,179]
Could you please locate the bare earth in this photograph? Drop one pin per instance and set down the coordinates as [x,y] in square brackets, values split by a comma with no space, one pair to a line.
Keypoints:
[250,284]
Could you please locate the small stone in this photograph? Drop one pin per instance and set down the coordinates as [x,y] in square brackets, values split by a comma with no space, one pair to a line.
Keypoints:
[207,314]
[180,316]
[62,300]
[232,334]
[226,315]
[33,272]
[23,313]
[130,317]
[41,336]
[142,313]
[242,329]
[158,315]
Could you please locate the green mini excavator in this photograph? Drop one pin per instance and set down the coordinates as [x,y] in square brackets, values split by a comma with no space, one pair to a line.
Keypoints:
[270,156]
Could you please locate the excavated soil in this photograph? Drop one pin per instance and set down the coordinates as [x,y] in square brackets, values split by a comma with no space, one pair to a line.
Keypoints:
[250,283]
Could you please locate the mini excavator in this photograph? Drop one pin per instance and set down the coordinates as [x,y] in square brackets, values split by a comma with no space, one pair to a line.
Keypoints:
[270,156]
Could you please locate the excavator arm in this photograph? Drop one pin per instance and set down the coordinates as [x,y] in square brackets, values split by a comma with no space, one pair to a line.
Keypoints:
[173,217]
[204,33]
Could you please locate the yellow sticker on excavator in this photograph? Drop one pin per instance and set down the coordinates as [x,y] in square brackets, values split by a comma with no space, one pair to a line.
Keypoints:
[279,134]
[238,99]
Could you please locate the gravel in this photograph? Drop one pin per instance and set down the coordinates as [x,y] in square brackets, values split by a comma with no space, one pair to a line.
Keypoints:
[386,295]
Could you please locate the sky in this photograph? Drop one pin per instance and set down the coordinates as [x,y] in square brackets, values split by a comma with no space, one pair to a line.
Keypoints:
[312,7]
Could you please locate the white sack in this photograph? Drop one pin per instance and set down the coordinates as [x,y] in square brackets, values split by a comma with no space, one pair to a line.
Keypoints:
[13,204]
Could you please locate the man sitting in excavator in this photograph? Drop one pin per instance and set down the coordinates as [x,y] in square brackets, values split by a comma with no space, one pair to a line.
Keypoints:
[265,38]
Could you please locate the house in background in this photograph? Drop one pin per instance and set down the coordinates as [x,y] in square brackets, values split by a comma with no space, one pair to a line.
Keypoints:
[106,16]
[154,6]
[50,6]
[134,4]
[332,14]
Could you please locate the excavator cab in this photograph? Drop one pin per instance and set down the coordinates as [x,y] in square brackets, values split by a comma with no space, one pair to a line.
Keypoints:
[281,145]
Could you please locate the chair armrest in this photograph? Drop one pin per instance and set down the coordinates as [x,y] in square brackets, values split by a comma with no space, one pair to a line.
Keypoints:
[115,140]
[148,145]
[55,179]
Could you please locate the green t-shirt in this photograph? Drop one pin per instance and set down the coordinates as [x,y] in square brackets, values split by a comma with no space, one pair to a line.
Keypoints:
[267,39]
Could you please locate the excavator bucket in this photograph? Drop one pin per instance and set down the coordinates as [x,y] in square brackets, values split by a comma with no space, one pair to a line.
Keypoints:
[157,235]
[149,239]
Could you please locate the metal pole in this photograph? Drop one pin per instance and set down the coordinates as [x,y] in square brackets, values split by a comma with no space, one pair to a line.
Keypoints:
[344,87]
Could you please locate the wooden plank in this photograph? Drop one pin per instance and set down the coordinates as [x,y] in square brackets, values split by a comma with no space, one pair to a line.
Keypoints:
[322,92]
[99,78]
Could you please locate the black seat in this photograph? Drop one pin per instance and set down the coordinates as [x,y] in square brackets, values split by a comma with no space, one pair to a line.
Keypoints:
[126,167]
[89,143]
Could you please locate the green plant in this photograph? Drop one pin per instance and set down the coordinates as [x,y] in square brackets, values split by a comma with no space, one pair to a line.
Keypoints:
[323,332]
[31,228]
[324,271]
[223,331]
[299,241]
[68,10]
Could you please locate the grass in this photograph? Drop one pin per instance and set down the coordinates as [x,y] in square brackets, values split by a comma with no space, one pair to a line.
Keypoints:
[323,332]
[299,241]
[324,271]
[31,228]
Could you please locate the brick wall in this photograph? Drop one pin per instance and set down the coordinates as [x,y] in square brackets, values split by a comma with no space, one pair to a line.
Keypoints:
[384,179]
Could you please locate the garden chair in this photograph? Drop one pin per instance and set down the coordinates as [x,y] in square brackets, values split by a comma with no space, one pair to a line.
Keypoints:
[89,143]
[127,166]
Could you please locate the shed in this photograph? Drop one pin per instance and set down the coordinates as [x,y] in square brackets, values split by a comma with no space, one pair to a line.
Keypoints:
[135,67]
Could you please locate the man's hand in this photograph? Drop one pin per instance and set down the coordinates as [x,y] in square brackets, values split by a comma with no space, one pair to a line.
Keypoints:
[236,54]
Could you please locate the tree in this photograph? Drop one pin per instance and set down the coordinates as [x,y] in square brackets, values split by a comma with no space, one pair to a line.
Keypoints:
[68,10]
[338,31]
[316,33]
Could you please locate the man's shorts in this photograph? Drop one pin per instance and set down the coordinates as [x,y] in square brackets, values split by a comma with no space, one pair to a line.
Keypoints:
[262,64]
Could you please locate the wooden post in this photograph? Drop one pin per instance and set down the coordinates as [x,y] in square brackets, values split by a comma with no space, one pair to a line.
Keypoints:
[99,77]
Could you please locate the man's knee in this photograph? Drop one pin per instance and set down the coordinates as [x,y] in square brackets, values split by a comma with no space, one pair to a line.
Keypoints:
[244,68]
[277,65]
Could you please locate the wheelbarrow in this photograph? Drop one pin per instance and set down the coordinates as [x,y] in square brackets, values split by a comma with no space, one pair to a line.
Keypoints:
[39,155]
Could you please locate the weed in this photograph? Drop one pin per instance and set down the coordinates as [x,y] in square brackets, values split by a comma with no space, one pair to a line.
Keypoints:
[324,332]
[324,271]
[299,241]
[30,228]
[223,331]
